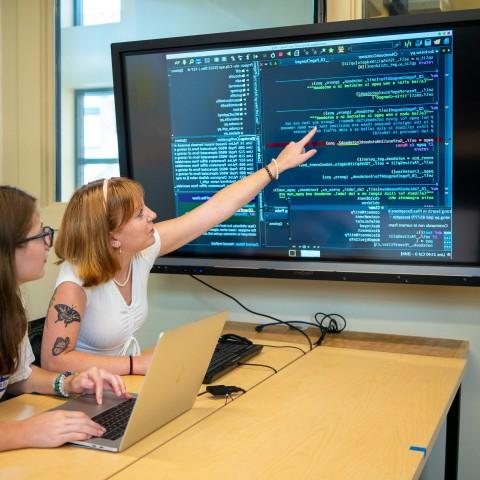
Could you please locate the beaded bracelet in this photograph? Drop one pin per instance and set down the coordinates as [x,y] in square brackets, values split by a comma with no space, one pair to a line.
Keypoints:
[58,384]
[272,178]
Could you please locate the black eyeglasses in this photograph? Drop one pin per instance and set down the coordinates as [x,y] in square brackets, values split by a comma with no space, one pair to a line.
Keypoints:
[46,234]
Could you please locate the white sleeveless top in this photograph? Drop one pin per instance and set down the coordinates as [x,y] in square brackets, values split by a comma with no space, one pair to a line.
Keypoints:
[23,370]
[108,324]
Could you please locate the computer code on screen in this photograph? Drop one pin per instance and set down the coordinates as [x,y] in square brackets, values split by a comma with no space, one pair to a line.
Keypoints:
[380,185]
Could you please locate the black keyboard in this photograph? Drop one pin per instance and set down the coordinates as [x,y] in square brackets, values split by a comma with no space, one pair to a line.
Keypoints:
[227,356]
[115,419]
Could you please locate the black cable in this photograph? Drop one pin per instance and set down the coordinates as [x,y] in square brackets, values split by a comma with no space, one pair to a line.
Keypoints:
[331,327]
[260,365]
[261,326]
[253,312]
[281,346]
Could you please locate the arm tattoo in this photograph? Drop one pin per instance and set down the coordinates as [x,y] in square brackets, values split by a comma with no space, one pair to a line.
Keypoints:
[60,345]
[67,314]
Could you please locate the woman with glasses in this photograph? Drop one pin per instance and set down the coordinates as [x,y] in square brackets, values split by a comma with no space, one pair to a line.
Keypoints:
[24,246]
[107,245]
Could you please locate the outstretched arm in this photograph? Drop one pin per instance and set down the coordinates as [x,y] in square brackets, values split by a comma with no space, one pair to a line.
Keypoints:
[181,230]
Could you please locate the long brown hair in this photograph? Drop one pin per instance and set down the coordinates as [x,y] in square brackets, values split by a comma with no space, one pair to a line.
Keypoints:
[16,213]
[83,239]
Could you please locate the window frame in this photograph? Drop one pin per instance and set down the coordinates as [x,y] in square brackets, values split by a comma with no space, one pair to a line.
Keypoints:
[78,15]
[80,160]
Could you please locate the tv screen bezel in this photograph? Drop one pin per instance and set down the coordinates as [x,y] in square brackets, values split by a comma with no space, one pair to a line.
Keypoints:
[391,272]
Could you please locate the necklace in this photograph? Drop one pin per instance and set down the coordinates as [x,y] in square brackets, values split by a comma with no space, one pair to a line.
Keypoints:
[122,284]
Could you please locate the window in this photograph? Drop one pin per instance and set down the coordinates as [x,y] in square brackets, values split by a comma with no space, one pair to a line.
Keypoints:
[94,12]
[86,147]
[95,135]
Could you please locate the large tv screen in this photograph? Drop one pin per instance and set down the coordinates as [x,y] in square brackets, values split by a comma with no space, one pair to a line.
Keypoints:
[392,194]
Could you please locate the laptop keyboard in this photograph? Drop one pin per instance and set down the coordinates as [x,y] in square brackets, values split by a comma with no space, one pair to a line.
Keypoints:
[115,419]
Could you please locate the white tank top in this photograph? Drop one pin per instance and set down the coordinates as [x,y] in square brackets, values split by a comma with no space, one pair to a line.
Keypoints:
[108,324]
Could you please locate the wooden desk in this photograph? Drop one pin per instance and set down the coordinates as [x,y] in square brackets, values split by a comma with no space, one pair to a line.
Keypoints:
[73,462]
[333,413]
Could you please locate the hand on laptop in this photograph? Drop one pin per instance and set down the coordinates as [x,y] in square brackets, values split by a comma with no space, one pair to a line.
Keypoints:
[95,380]
[52,429]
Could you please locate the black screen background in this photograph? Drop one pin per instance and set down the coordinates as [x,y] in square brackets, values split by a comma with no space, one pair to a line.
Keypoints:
[147,131]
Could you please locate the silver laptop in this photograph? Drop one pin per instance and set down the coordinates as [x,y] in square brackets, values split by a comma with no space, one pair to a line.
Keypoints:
[170,387]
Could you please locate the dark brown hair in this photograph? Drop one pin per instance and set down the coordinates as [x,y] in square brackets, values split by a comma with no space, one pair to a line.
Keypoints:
[83,239]
[16,213]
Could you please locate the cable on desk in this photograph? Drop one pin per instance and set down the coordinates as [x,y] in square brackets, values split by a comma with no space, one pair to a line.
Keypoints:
[281,346]
[275,319]
[261,326]
[260,365]
[289,323]
[331,327]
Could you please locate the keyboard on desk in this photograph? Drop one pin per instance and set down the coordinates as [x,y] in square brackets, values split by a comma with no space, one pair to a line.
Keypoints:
[227,356]
[115,419]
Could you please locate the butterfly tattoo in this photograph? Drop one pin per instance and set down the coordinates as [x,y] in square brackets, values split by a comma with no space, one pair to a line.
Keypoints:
[60,345]
[66,314]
